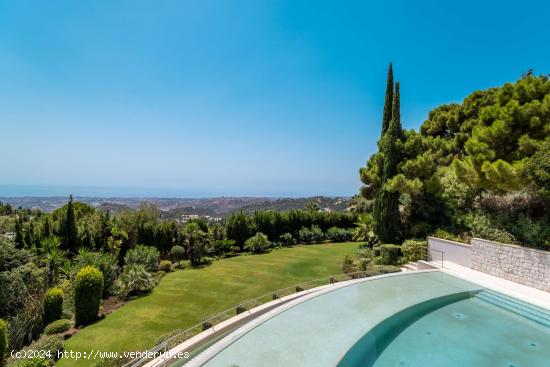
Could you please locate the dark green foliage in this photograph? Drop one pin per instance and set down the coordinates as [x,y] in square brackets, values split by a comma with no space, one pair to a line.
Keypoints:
[51,345]
[58,326]
[177,253]
[414,250]
[88,289]
[3,341]
[286,239]
[336,234]
[239,228]
[386,207]
[148,256]
[134,280]
[27,325]
[258,244]
[388,102]
[70,232]
[19,241]
[221,247]
[165,265]
[105,262]
[53,305]
[493,146]
[390,254]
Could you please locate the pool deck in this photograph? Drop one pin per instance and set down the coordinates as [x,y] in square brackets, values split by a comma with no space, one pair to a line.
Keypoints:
[513,289]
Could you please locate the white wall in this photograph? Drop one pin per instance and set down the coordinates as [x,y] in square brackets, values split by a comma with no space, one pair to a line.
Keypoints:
[456,252]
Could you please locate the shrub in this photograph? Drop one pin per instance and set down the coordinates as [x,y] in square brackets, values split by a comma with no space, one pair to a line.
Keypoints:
[50,345]
[336,234]
[87,294]
[3,341]
[443,234]
[147,256]
[166,265]
[481,226]
[107,263]
[317,234]
[67,314]
[134,280]
[222,247]
[58,326]
[305,236]
[28,324]
[413,250]
[30,362]
[53,305]
[184,264]
[286,239]
[258,243]
[390,254]
[177,253]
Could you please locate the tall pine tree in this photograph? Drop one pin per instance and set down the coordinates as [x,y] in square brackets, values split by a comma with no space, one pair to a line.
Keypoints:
[386,206]
[388,102]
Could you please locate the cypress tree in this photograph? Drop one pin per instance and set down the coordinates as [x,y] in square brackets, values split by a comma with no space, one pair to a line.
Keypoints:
[388,102]
[18,232]
[386,206]
[71,234]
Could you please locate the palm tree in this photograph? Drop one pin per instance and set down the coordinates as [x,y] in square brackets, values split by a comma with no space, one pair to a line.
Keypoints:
[195,239]
[53,256]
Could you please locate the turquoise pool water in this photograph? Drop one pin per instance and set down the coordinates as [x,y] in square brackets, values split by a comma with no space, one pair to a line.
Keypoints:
[480,329]
[420,319]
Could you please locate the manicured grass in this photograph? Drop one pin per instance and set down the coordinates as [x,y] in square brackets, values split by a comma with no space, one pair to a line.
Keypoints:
[185,297]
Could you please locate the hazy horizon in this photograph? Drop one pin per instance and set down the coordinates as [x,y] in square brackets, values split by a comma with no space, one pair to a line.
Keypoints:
[45,191]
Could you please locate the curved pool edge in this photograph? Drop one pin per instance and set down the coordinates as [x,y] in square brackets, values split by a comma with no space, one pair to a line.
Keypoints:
[236,334]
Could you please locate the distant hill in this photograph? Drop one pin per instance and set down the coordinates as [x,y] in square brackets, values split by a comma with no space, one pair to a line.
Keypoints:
[175,207]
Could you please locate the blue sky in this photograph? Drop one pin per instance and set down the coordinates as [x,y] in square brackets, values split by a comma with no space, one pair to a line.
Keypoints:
[207,98]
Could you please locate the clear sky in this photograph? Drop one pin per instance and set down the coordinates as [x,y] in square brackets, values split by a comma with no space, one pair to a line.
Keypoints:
[207,98]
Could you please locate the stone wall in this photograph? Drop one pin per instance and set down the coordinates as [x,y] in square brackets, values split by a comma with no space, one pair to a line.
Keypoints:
[519,264]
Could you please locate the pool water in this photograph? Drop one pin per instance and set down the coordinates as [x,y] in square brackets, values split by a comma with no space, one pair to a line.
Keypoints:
[485,330]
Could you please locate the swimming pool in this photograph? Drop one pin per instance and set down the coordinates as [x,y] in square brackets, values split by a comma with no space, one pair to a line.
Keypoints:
[416,319]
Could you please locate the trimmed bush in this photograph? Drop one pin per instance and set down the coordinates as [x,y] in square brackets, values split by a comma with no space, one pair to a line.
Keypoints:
[258,243]
[66,314]
[3,341]
[390,253]
[336,234]
[53,305]
[58,326]
[414,250]
[166,265]
[286,239]
[87,294]
[177,253]
[147,256]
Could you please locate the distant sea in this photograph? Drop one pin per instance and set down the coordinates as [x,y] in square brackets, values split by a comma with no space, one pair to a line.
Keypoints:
[135,192]
[93,191]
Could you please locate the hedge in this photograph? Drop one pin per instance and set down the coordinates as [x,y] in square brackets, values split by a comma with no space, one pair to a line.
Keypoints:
[87,294]
[390,253]
[58,326]
[53,305]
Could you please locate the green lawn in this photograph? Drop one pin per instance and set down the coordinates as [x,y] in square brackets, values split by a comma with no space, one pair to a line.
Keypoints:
[185,297]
